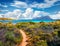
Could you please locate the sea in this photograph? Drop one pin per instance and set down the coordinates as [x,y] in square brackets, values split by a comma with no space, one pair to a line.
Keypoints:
[17,21]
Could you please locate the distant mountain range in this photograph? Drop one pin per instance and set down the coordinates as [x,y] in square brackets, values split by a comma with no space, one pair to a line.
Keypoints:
[37,19]
[43,18]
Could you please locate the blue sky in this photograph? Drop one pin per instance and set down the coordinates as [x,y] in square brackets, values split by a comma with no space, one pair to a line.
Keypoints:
[29,9]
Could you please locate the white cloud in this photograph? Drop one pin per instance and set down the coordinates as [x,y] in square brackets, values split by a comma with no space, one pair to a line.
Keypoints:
[36,14]
[13,14]
[51,1]
[28,13]
[17,14]
[47,4]
[43,13]
[4,5]
[40,14]
[19,4]
[1,15]
[55,16]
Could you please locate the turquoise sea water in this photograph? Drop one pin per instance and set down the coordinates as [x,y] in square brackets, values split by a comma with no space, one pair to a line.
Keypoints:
[16,21]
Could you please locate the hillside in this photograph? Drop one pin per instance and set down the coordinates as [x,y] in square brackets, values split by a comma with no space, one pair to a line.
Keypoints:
[6,19]
[39,34]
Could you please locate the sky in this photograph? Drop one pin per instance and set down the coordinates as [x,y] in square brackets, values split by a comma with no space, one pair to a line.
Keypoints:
[29,9]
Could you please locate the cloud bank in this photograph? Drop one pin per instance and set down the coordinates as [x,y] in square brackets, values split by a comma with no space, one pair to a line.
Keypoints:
[46,4]
[29,13]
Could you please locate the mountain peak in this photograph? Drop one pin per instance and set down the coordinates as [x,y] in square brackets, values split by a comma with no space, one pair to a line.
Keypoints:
[43,18]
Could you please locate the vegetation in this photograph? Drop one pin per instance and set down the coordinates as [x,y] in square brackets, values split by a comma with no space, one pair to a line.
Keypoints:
[9,35]
[39,34]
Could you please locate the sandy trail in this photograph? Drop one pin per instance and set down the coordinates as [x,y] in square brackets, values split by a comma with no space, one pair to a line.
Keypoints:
[24,43]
